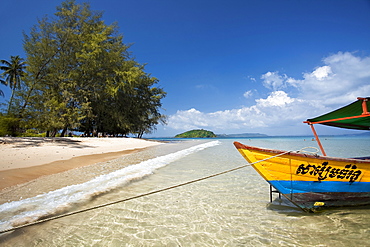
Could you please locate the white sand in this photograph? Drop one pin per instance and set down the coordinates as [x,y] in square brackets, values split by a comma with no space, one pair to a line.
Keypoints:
[27,152]
[25,159]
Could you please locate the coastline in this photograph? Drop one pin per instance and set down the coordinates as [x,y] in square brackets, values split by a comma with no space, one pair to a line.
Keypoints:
[25,159]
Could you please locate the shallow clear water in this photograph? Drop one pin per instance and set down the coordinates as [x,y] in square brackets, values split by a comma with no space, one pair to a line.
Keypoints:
[228,210]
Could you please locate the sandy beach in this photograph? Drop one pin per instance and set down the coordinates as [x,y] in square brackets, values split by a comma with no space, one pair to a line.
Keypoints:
[25,159]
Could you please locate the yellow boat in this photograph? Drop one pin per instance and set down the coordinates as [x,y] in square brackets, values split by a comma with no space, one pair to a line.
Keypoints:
[313,182]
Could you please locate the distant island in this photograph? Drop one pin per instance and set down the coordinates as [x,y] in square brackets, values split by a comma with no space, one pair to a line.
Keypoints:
[197,134]
[201,133]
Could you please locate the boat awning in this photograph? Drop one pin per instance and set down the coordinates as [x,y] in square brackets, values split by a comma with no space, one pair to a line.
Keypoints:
[353,116]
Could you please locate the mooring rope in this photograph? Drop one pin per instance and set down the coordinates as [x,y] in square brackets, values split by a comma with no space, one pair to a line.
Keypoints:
[142,195]
[310,152]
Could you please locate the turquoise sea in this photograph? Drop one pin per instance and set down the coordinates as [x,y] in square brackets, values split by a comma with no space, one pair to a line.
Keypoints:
[232,209]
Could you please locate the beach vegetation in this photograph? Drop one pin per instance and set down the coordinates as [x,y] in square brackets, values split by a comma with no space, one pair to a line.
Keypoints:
[81,76]
[9,125]
[200,133]
[12,72]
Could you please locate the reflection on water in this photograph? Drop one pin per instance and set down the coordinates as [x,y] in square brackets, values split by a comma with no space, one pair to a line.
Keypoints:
[228,210]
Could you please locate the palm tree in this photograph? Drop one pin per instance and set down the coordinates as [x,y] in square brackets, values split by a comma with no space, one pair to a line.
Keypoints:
[13,73]
[4,83]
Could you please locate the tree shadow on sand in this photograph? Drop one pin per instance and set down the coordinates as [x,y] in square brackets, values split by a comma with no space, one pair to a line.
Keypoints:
[23,142]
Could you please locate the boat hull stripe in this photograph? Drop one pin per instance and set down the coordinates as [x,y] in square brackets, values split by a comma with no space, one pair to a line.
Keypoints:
[288,187]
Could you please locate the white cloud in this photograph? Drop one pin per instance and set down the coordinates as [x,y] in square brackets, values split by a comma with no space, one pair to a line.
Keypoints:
[248,94]
[277,109]
[341,79]
[277,98]
[188,119]
[322,73]
[273,80]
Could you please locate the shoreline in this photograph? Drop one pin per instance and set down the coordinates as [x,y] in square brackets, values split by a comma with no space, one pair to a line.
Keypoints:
[27,159]
[18,176]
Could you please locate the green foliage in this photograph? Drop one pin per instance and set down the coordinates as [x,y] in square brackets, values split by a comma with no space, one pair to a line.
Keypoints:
[196,134]
[13,72]
[3,82]
[80,76]
[9,126]
[32,133]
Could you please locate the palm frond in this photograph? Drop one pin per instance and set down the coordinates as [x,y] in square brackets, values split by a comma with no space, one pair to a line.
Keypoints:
[4,82]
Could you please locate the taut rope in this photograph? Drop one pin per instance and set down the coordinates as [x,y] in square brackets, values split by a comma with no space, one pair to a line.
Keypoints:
[141,195]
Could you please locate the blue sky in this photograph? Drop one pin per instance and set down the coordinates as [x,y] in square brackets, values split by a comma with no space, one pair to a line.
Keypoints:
[233,66]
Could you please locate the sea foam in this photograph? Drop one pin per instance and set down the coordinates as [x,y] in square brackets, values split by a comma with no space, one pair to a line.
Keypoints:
[59,201]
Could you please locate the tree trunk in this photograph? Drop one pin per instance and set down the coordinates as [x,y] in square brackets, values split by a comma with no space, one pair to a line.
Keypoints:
[10,101]
[63,132]
[53,133]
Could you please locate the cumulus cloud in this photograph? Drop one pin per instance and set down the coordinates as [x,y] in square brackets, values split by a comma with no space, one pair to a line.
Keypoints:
[277,98]
[322,73]
[341,79]
[273,80]
[277,109]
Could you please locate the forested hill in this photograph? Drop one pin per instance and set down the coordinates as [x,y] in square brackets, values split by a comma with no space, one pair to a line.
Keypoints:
[196,134]
[201,133]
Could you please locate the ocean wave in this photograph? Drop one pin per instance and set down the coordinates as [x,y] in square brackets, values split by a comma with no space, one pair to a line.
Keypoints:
[25,211]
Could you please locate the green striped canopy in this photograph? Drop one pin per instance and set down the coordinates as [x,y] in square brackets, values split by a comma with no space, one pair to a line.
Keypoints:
[353,116]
